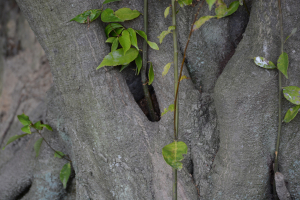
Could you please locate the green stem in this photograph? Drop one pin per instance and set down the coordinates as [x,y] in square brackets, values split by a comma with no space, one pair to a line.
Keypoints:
[144,67]
[175,47]
[177,82]
[176,111]
[245,5]
[64,157]
[279,99]
[280,95]
[174,184]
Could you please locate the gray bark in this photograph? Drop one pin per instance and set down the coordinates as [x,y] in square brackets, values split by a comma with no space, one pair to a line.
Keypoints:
[282,191]
[228,118]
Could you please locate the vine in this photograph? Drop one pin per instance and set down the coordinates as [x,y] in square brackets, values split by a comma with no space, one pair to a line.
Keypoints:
[38,127]
[173,152]
[118,35]
[291,93]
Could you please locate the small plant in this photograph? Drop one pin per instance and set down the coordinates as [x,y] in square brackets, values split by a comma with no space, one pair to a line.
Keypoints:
[291,93]
[173,152]
[118,35]
[38,127]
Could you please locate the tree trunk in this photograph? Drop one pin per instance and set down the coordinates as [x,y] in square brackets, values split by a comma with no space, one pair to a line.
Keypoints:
[228,109]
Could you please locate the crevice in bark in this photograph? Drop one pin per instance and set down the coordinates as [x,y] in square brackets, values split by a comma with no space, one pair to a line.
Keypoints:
[271,180]
[24,192]
[191,171]
[71,186]
[236,27]
[135,86]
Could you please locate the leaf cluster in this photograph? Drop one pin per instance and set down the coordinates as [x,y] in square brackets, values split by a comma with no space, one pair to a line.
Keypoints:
[27,128]
[291,93]
[118,36]
[173,153]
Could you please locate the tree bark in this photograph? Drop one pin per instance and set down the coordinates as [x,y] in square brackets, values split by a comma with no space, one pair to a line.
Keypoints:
[228,109]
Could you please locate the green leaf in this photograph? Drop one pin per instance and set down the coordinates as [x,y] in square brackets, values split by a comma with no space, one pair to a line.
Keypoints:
[151,74]
[185,2]
[167,11]
[26,129]
[292,93]
[292,33]
[82,18]
[125,41]
[183,77]
[13,138]
[118,58]
[291,114]
[173,154]
[91,14]
[24,119]
[127,14]
[108,1]
[210,3]
[283,63]
[264,63]
[139,63]
[201,21]
[123,67]
[110,40]
[142,34]
[133,38]
[115,45]
[221,9]
[110,27]
[95,14]
[58,154]
[153,45]
[47,126]
[166,69]
[164,33]
[37,125]
[170,108]
[37,146]
[65,174]
[232,8]
[109,16]
[116,32]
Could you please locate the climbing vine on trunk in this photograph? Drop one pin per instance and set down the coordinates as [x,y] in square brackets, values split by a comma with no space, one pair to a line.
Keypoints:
[291,93]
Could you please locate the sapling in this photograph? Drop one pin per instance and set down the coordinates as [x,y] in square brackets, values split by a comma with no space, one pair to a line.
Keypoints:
[38,127]
[291,93]
[173,153]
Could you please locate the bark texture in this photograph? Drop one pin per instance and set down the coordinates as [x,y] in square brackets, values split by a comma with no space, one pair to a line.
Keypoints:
[228,110]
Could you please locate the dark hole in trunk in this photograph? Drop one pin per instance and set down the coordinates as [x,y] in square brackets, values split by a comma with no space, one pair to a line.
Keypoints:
[134,83]
[24,192]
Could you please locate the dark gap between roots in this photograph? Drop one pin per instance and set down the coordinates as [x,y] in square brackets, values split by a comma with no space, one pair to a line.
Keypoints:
[271,179]
[237,25]
[134,83]
[24,192]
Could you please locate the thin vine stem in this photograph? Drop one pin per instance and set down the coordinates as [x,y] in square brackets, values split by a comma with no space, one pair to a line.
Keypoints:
[176,112]
[279,102]
[245,5]
[144,67]
[63,156]
[175,47]
[279,91]
[182,63]
[177,81]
